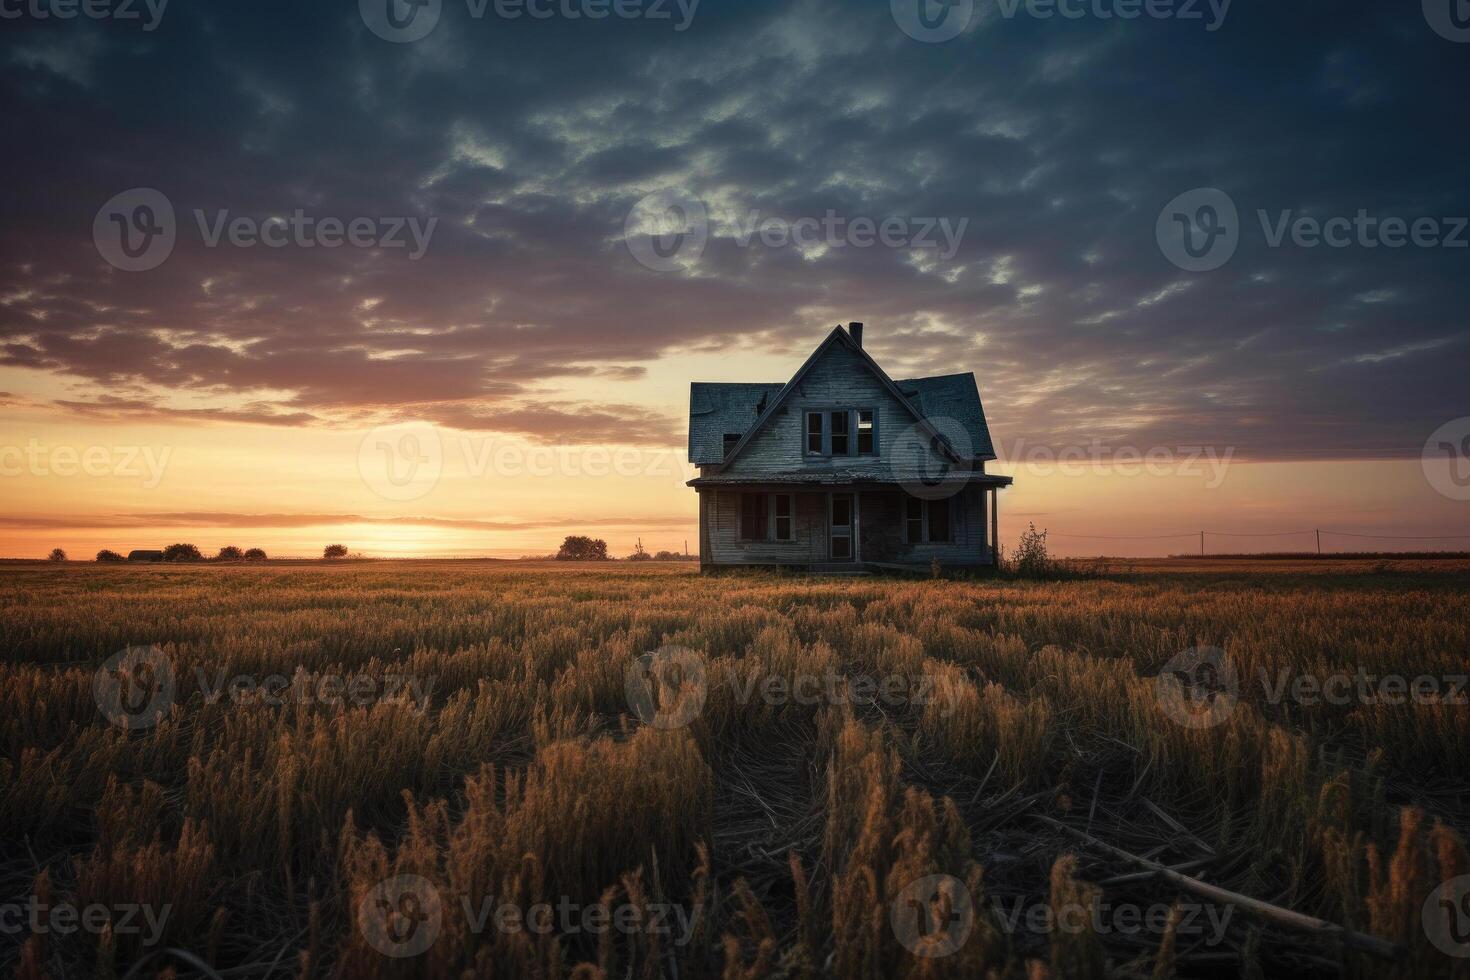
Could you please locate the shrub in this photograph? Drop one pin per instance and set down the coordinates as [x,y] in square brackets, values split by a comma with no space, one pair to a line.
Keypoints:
[255,554]
[1031,559]
[229,553]
[56,555]
[334,551]
[182,552]
[106,554]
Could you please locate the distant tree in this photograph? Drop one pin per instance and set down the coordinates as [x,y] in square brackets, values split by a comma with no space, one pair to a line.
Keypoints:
[229,553]
[108,555]
[579,547]
[672,556]
[335,551]
[255,554]
[639,554]
[182,552]
[56,555]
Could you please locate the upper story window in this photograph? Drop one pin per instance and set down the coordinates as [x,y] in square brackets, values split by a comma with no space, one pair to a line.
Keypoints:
[842,432]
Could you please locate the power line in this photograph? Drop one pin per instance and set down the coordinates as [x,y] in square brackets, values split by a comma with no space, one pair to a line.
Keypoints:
[1402,537]
[1259,534]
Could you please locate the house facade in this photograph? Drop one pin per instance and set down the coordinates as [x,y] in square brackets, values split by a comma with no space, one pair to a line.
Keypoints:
[843,468]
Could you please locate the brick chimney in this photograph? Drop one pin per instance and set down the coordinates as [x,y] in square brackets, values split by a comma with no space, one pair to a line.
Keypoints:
[855,330]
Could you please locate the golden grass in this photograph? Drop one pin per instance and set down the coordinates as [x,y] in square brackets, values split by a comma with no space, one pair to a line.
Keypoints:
[785,827]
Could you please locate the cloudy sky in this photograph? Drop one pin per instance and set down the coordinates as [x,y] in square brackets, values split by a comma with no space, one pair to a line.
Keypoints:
[239,236]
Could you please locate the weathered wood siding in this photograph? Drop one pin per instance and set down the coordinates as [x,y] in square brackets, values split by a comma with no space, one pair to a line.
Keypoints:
[881,527]
[838,380]
[722,510]
[880,516]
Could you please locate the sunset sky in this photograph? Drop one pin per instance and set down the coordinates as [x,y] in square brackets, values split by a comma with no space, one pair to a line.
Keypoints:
[535,368]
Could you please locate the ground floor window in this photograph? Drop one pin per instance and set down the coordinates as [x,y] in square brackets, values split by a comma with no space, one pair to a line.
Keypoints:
[767,517]
[928,521]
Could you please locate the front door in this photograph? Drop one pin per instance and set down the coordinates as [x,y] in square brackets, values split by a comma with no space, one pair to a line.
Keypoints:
[842,521]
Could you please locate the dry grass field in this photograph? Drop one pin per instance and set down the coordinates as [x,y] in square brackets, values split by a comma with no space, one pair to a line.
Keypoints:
[443,770]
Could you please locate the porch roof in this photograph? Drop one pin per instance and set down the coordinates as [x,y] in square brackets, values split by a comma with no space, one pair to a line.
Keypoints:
[850,478]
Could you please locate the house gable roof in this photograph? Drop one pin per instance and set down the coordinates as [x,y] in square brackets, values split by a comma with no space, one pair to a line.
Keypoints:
[718,410]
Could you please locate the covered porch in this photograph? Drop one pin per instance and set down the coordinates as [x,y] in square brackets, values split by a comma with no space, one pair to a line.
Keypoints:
[837,526]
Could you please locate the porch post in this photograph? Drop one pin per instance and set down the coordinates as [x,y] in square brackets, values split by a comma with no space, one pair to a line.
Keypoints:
[995,526]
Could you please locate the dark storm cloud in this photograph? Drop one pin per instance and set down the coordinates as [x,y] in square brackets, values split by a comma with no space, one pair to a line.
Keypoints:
[1058,141]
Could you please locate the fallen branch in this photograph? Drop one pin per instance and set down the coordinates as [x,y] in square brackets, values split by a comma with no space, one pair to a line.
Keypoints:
[1177,827]
[1381,948]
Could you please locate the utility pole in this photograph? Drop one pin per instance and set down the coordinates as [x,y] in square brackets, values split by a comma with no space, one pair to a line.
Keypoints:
[1202,544]
[1319,541]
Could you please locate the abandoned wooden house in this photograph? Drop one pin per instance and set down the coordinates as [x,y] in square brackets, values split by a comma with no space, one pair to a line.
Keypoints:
[843,468]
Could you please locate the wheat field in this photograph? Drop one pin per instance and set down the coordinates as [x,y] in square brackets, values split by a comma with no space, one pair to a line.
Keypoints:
[504,770]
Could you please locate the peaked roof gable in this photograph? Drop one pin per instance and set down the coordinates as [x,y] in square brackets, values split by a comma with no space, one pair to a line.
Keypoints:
[837,336]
